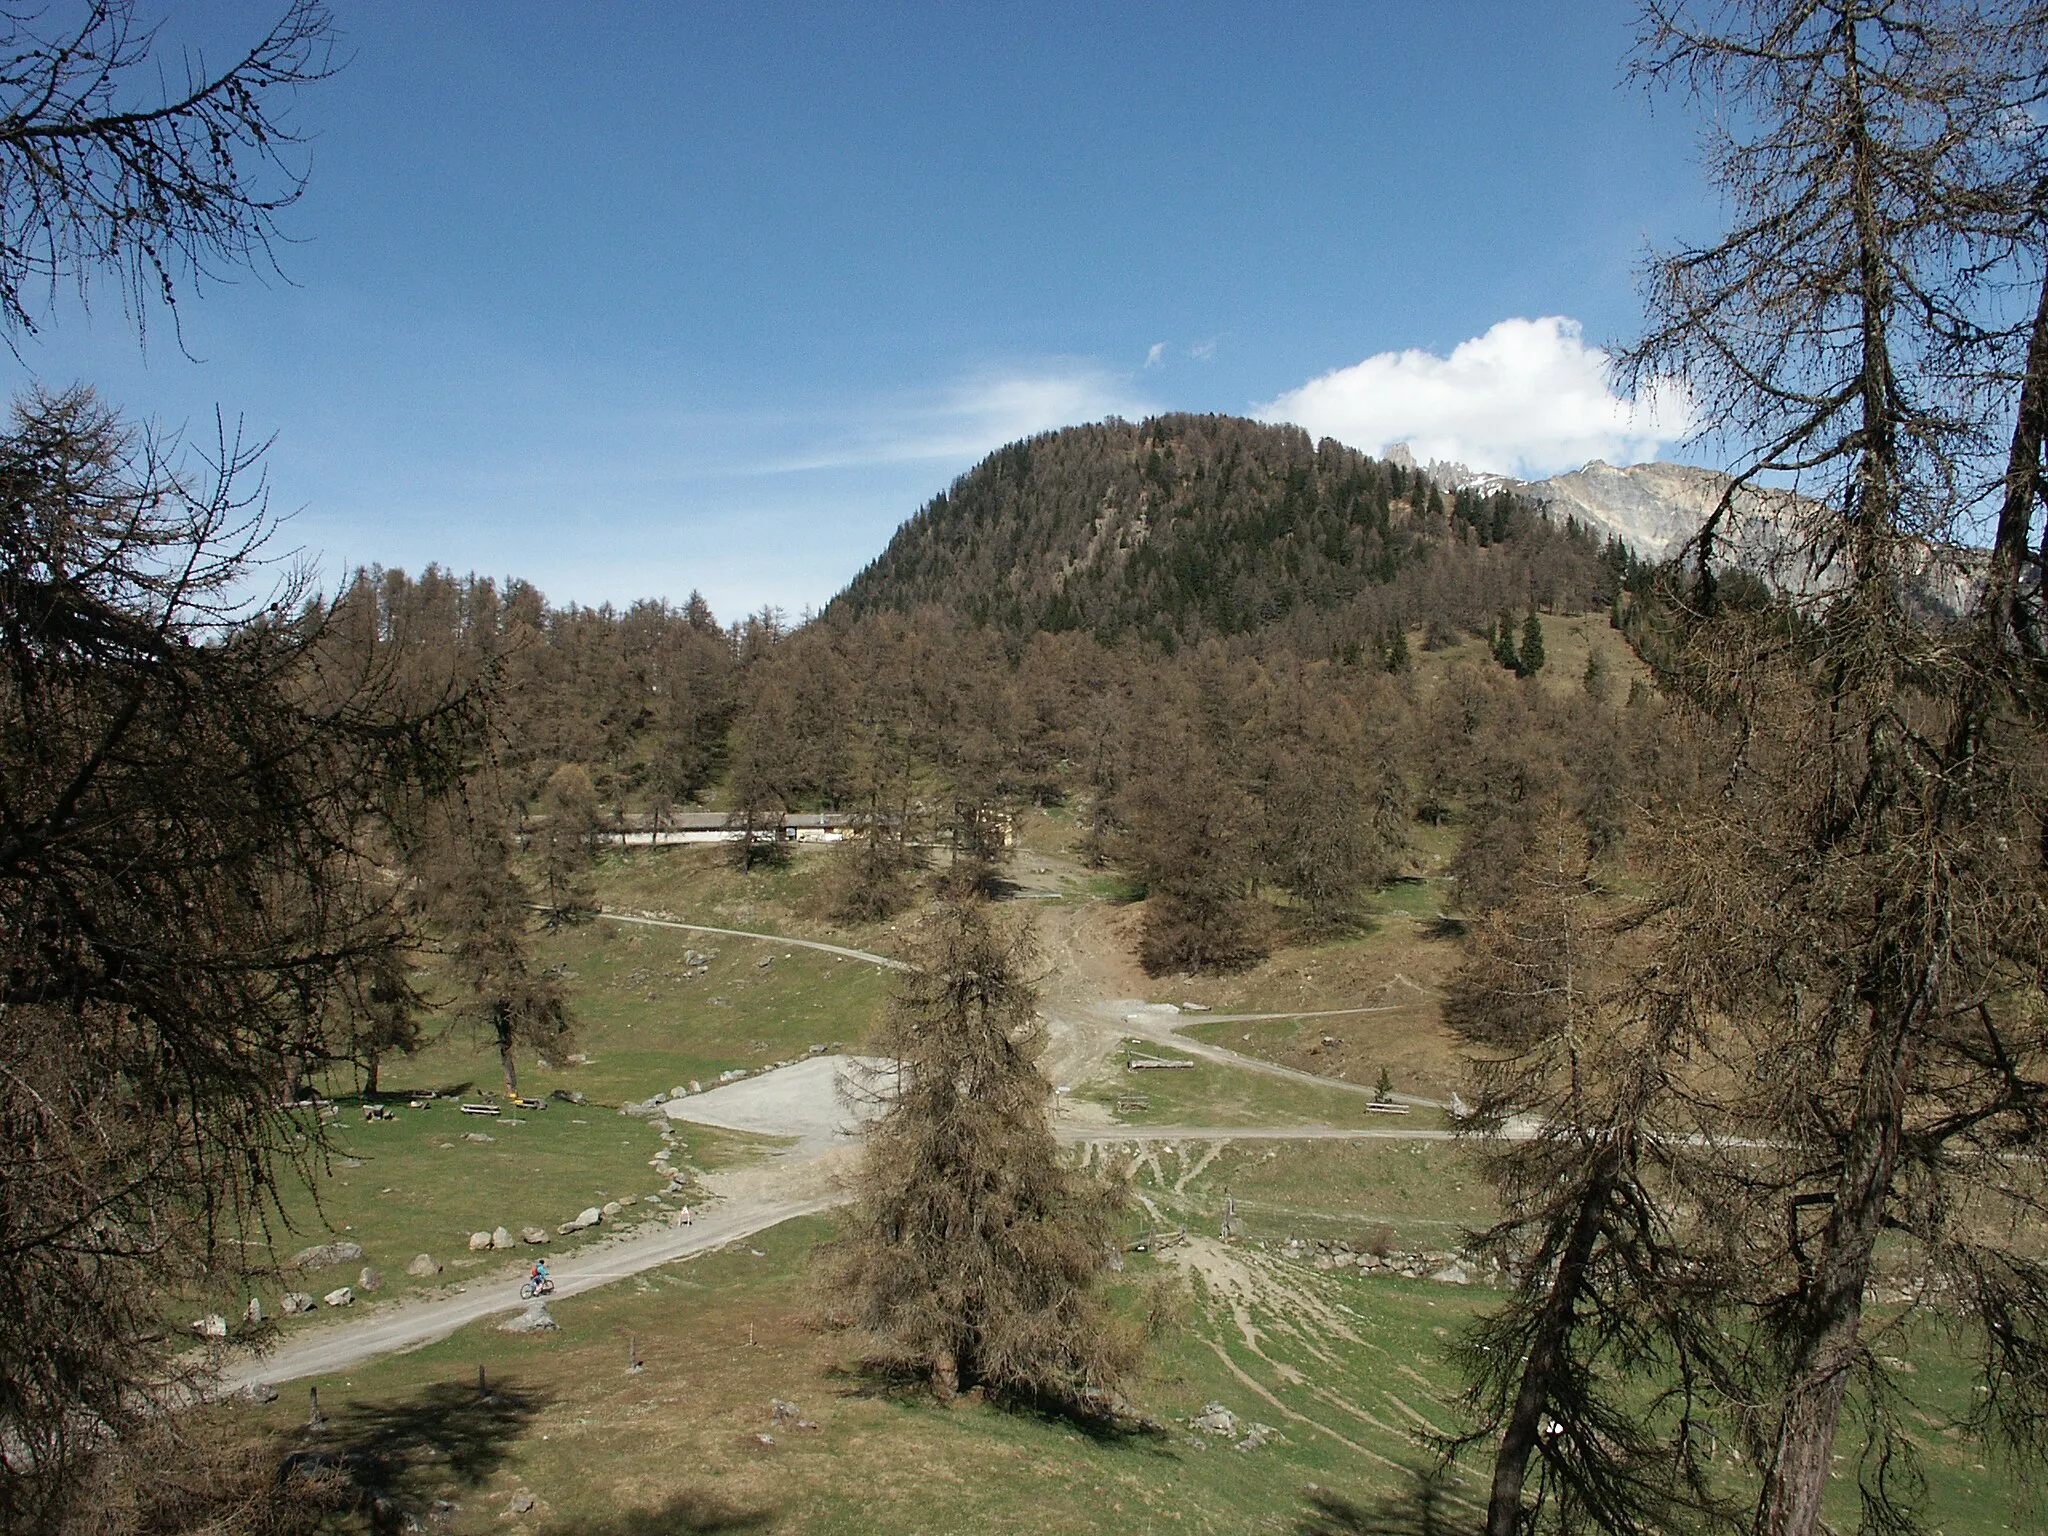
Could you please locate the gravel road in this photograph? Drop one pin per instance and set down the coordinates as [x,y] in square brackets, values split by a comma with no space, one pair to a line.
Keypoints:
[803,1101]
[323,1350]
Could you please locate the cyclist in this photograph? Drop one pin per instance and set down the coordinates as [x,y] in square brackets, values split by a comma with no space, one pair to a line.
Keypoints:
[539,1278]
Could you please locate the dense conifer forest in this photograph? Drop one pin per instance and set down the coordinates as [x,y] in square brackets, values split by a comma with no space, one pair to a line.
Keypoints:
[1198,634]
[1185,527]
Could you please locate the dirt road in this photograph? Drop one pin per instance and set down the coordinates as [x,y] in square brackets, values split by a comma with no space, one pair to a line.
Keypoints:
[1085,1020]
[333,1347]
[773,938]
[336,1347]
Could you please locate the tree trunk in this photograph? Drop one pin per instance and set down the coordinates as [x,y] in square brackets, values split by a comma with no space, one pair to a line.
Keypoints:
[1829,1316]
[2012,546]
[370,1076]
[1525,1419]
[966,1364]
[505,1056]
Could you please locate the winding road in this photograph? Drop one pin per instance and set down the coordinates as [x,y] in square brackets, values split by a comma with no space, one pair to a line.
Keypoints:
[803,1179]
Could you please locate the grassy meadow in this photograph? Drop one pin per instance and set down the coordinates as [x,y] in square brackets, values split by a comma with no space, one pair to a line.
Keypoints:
[1349,1370]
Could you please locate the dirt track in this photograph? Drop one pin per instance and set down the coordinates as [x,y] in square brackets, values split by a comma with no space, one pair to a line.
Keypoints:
[1089,996]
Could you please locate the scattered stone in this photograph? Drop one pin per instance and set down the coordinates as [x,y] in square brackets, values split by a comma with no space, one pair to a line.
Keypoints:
[534,1235]
[1261,1434]
[500,1238]
[816,1050]
[611,1209]
[521,1503]
[211,1326]
[1453,1274]
[627,1199]
[341,1296]
[258,1392]
[479,1242]
[765,1439]
[535,1319]
[695,1086]
[327,1255]
[788,1415]
[295,1302]
[477,1136]
[577,1059]
[422,1266]
[253,1313]
[590,1216]
[658,1096]
[369,1282]
[568,1096]
[1217,1420]
[682,1091]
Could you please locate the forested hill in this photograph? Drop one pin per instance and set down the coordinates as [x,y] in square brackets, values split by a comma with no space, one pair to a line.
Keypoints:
[1184,526]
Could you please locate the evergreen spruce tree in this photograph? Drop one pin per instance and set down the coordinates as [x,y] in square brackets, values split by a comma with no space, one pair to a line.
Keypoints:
[1504,644]
[1531,660]
[972,1251]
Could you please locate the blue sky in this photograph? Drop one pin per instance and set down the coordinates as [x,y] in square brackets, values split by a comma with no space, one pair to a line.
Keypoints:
[631,299]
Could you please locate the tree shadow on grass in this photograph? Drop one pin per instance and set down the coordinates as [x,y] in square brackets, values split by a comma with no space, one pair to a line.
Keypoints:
[888,1379]
[693,1512]
[1425,1508]
[1098,1421]
[417,1446]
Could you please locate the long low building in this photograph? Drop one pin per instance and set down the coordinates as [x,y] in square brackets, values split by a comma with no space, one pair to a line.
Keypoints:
[643,830]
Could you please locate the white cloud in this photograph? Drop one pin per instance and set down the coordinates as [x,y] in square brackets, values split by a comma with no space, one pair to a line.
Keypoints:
[961,423]
[1155,354]
[1528,398]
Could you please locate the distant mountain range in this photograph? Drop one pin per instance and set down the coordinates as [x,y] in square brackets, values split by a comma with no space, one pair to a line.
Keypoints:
[1655,508]
[1186,527]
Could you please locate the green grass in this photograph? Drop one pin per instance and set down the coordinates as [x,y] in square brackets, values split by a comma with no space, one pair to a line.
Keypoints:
[1350,1369]
[1109,886]
[699,884]
[648,1023]
[602,1449]
[416,1184]
[1415,1194]
[1211,1093]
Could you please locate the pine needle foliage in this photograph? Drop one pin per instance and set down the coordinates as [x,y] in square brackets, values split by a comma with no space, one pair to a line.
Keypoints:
[973,1252]
[1592,1379]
